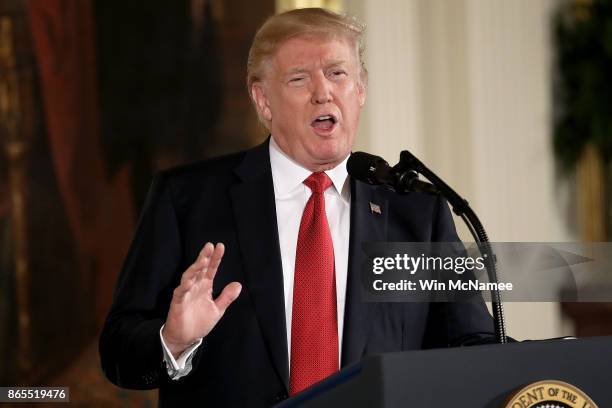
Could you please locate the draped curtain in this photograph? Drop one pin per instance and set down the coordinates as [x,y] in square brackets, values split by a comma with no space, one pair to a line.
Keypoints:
[98,207]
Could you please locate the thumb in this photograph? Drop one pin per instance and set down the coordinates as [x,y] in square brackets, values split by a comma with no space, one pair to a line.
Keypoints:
[228,295]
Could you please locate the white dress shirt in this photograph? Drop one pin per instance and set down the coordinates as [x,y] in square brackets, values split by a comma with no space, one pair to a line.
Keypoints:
[291,195]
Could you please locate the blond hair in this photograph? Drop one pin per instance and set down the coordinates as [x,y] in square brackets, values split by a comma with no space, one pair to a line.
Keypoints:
[307,21]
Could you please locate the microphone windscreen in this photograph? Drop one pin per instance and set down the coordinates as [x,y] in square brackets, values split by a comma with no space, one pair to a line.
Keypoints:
[363,166]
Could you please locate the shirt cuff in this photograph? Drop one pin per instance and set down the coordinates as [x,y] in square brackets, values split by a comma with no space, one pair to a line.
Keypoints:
[180,367]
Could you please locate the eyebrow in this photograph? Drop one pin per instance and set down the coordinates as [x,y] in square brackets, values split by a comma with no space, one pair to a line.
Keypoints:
[334,63]
[293,71]
[300,70]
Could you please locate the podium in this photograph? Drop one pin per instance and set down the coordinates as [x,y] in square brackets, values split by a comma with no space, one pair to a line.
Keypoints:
[479,376]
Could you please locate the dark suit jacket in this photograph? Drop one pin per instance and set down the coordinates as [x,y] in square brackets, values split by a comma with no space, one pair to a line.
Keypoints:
[243,361]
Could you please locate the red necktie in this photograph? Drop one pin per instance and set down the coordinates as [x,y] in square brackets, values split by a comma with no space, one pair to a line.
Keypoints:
[314,325]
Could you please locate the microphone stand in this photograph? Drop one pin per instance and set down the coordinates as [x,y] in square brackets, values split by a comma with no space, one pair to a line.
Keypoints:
[409,163]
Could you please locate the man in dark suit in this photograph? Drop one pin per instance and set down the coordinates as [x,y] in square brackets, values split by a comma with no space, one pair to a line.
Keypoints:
[275,306]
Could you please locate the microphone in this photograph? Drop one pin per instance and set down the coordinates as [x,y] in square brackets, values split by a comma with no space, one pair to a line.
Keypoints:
[375,170]
[403,178]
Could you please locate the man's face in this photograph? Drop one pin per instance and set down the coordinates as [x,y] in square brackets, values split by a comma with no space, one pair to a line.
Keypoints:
[311,97]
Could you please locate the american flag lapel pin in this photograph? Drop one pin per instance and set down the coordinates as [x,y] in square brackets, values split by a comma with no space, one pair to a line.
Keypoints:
[375,208]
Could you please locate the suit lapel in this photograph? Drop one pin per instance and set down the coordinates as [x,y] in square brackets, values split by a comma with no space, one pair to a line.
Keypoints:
[255,213]
[368,223]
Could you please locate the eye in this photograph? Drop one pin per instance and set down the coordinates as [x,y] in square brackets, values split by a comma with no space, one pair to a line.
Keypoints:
[338,73]
[297,80]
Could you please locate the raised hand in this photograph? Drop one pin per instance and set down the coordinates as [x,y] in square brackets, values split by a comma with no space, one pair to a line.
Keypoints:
[193,312]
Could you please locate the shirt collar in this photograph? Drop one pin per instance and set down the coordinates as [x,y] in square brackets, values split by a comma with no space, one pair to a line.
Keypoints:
[287,174]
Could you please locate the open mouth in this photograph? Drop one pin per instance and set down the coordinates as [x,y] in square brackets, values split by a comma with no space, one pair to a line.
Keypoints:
[324,122]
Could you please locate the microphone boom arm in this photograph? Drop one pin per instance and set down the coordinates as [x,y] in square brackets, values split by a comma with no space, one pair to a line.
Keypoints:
[409,163]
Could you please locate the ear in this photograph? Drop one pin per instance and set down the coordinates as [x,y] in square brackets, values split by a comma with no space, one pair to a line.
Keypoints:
[261,101]
[361,92]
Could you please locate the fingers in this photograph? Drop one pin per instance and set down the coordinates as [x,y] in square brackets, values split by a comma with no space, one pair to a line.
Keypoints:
[205,266]
[206,251]
[200,263]
[199,267]
[208,261]
[203,259]
[228,295]
[215,260]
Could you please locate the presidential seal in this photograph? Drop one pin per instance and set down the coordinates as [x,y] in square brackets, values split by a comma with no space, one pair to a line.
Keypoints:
[550,394]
